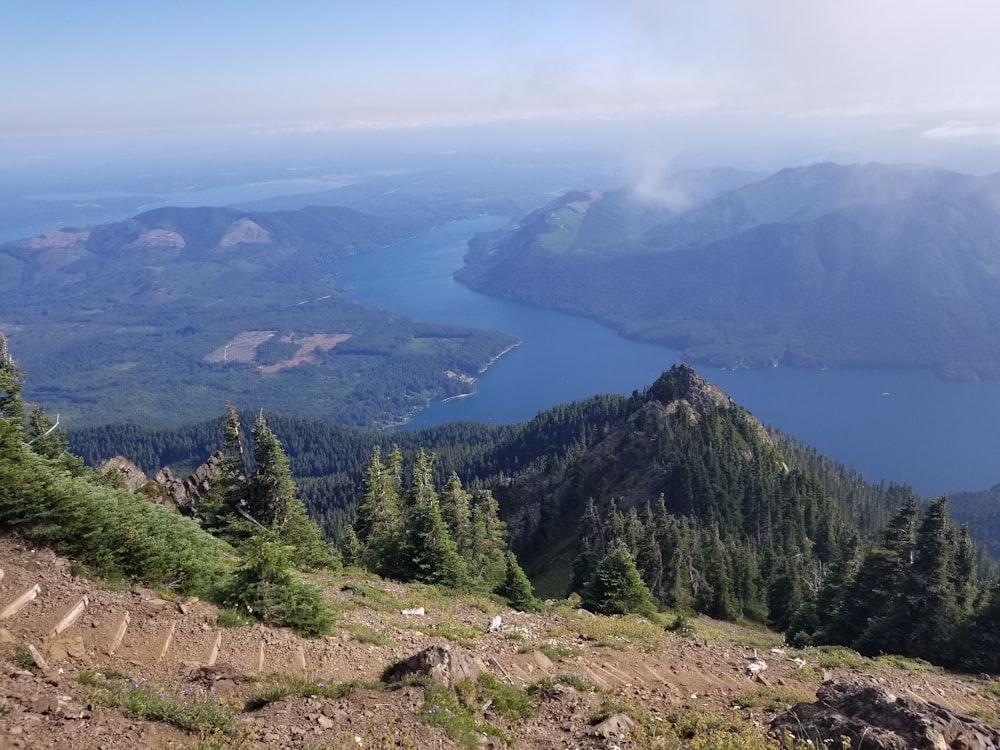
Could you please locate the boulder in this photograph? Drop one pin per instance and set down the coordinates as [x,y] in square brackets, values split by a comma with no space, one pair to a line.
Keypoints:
[876,719]
[443,664]
[131,475]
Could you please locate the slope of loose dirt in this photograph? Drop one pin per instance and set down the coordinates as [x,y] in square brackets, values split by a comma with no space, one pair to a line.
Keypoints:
[627,661]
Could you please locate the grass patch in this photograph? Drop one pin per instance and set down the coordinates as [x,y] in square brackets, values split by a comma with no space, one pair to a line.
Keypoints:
[557,652]
[747,636]
[570,679]
[512,703]
[992,688]
[708,729]
[193,709]
[456,632]
[22,659]
[364,634]
[441,708]
[839,657]
[805,673]
[771,698]
[619,632]
[285,686]
[609,708]
[373,597]
[893,661]
[231,618]
[986,715]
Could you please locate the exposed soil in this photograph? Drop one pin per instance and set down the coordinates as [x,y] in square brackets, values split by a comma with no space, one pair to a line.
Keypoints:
[308,346]
[170,644]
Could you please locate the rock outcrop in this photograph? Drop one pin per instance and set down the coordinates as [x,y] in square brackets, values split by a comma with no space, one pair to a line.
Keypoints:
[876,719]
[443,664]
[185,493]
[130,474]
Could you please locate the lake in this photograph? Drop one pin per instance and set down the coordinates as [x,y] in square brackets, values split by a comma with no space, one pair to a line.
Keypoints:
[898,425]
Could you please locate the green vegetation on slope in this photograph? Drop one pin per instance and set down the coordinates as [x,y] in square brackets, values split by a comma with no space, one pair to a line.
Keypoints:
[161,318]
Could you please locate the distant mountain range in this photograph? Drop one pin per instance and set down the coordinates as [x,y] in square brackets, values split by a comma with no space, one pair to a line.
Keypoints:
[820,266]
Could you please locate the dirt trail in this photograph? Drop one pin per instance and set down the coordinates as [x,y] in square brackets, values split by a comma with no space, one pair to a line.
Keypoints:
[137,634]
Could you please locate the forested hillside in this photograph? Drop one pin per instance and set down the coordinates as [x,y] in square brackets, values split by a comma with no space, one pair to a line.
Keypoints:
[715,514]
[821,266]
[161,318]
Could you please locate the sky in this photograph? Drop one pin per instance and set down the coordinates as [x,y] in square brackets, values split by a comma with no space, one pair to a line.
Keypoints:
[74,68]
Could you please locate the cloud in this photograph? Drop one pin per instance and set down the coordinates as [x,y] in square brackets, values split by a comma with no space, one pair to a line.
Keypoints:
[955,129]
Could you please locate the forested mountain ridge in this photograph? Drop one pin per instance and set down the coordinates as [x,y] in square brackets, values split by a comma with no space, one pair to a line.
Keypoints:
[822,266]
[162,318]
[714,513]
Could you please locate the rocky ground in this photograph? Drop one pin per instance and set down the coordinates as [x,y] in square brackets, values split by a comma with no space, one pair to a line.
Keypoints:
[134,668]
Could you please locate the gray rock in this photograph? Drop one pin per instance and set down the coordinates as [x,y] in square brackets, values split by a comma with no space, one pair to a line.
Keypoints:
[876,719]
[616,726]
[443,664]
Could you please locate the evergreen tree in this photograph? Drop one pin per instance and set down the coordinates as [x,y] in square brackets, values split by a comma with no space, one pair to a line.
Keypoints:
[516,588]
[487,554]
[219,507]
[429,551]
[379,524]
[616,588]
[929,609]
[271,489]
[11,404]
[457,514]
[267,587]
[350,549]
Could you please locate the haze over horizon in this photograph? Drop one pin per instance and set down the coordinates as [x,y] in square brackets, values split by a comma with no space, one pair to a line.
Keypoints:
[849,80]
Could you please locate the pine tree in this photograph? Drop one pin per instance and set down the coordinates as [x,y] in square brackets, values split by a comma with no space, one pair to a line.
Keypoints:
[219,508]
[929,610]
[457,514]
[272,492]
[267,587]
[487,554]
[379,525]
[616,588]
[429,551]
[516,588]
[11,405]
[350,549]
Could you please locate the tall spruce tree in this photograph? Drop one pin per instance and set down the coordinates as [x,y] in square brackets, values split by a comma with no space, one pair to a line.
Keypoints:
[487,554]
[430,555]
[456,511]
[379,524]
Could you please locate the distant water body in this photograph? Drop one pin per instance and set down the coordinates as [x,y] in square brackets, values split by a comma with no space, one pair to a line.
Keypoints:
[897,425]
[903,426]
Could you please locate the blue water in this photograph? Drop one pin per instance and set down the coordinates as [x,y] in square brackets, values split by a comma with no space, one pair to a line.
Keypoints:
[903,426]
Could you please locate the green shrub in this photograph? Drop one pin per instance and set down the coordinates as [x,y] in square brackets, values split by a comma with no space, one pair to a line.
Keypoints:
[267,586]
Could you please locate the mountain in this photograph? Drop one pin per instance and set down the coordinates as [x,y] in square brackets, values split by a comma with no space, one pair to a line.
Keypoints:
[823,266]
[718,516]
[164,317]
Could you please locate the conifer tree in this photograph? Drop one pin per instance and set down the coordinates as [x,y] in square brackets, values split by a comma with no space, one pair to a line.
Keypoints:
[350,549]
[457,514]
[11,405]
[616,588]
[429,552]
[516,588]
[379,524]
[218,508]
[929,610]
[272,492]
[487,553]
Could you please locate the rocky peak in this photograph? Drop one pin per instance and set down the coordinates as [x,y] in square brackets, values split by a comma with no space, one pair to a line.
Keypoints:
[682,383]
